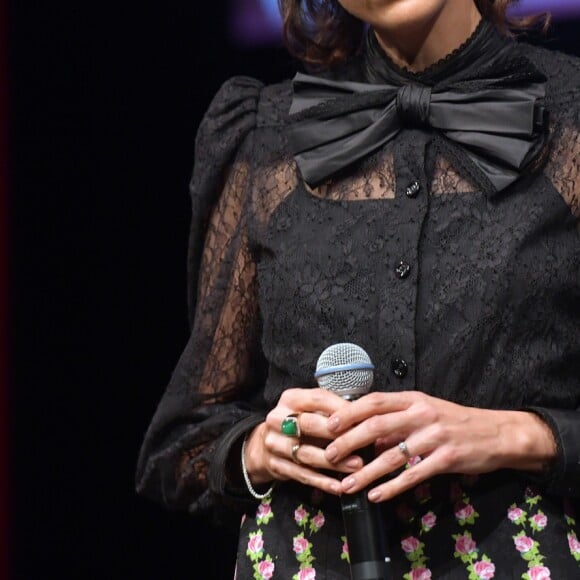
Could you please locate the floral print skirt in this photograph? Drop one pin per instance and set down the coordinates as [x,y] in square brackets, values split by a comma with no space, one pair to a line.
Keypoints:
[450,528]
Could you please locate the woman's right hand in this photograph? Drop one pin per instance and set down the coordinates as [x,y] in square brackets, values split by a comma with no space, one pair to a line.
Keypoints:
[269,451]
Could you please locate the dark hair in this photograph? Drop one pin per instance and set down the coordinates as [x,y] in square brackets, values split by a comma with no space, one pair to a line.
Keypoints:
[322,33]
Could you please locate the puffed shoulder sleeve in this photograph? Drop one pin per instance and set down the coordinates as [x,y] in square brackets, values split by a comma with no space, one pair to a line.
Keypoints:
[214,395]
[230,118]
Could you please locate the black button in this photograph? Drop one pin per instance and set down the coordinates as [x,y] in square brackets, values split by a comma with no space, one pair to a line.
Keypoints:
[413,189]
[402,270]
[399,367]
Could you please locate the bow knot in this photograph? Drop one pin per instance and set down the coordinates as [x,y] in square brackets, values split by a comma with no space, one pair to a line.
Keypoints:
[498,126]
[413,102]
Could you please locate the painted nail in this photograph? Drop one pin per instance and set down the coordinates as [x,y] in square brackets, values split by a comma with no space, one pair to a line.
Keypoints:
[333,424]
[331,453]
[348,483]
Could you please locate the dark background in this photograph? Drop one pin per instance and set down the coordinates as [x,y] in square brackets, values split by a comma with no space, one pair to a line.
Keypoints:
[104,102]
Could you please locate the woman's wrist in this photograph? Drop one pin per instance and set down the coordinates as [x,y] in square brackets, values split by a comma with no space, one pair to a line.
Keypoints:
[258,494]
[252,455]
[526,441]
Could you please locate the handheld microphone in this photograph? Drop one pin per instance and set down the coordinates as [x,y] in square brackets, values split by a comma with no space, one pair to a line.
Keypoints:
[346,369]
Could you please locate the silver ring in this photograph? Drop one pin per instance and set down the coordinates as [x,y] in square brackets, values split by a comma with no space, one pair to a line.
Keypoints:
[295,454]
[404,449]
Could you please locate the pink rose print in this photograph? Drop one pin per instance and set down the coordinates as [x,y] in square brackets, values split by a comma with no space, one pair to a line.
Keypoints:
[515,514]
[541,520]
[318,520]
[263,510]
[465,545]
[429,520]
[256,544]
[539,573]
[345,555]
[266,569]
[484,570]
[464,511]
[410,544]
[420,574]
[307,574]
[300,545]
[300,514]
[574,544]
[523,543]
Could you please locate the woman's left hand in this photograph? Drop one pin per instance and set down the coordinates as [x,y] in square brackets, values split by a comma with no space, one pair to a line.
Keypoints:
[449,438]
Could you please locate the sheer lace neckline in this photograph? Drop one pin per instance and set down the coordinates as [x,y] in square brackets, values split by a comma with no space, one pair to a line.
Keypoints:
[484,43]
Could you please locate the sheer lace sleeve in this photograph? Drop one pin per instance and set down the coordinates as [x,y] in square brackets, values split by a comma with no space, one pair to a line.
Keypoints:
[201,415]
[563,169]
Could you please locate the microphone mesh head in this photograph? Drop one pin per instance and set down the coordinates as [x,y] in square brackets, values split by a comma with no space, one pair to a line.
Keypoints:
[346,369]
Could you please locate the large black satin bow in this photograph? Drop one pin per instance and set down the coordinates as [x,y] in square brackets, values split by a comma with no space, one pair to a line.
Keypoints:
[500,127]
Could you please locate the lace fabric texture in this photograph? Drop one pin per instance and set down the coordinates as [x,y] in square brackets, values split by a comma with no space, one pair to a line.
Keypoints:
[464,295]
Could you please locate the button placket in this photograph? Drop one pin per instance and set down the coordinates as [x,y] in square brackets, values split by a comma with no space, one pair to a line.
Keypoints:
[399,299]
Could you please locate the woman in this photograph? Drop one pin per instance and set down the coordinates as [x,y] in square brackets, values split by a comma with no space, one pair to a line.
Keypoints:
[418,196]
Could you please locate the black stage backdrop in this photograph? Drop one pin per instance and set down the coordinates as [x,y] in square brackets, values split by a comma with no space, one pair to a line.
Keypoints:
[104,104]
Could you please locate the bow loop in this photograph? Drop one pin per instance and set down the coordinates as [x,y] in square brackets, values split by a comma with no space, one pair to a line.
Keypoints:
[413,104]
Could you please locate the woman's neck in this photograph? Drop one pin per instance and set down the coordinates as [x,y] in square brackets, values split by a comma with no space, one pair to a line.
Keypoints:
[419,44]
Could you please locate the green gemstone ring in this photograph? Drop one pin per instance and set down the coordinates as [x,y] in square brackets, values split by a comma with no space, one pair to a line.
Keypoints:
[290,426]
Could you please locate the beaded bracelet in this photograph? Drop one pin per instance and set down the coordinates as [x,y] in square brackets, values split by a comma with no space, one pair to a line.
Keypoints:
[251,489]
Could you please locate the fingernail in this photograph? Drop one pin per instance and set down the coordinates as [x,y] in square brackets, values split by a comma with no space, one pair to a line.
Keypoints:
[354,462]
[335,488]
[331,453]
[348,483]
[333,424]
[374,495]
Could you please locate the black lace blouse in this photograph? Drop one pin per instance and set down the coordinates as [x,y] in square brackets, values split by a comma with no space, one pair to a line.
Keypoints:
[455,290]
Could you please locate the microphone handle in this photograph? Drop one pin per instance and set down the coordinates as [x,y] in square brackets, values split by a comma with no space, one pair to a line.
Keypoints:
[365,535]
